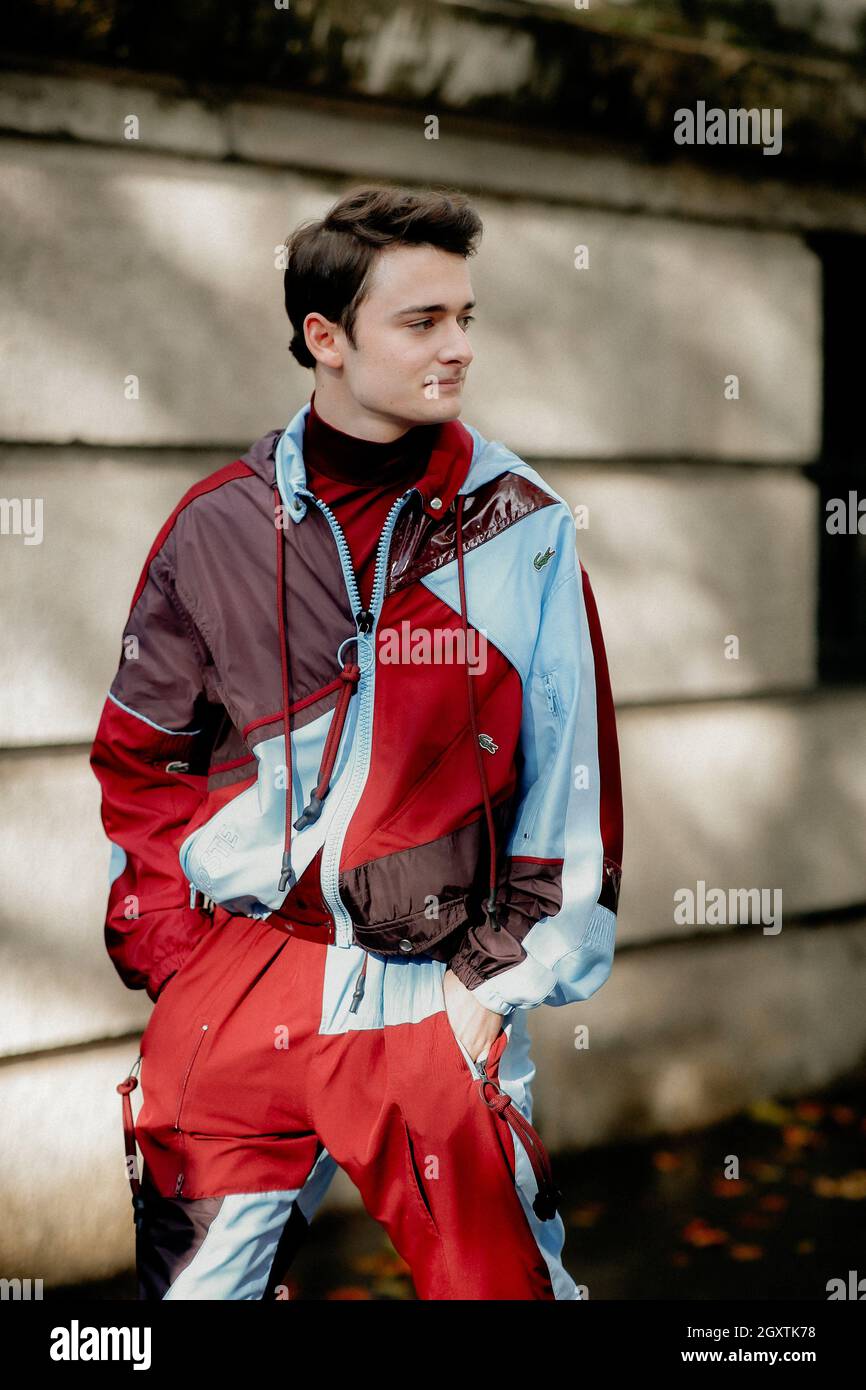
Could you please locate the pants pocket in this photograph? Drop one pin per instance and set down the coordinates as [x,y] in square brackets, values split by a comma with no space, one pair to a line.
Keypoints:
[494,1052]
[472,1067]
[416,1179]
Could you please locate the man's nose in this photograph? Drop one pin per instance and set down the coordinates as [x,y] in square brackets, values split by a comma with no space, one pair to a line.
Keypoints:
[458,349]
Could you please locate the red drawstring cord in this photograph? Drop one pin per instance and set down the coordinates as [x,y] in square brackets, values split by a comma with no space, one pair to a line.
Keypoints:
[349,675]
[491,905]
[547,1197]
[125,1088]
[287,877]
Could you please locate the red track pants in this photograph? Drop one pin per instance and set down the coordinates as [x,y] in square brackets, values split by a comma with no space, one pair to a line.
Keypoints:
[255,1073]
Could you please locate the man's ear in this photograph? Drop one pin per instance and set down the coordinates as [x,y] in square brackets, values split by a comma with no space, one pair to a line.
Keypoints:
[320,337]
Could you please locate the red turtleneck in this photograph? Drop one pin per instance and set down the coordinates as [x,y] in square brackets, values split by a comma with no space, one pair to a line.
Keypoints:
[360,480]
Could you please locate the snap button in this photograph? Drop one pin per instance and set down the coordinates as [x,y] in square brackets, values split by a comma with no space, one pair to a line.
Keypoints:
[436,502]
[405,945]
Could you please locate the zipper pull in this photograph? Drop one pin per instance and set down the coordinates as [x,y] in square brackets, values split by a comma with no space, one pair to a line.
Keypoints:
[309,815]
[364,620]
[358,994]
[287,875]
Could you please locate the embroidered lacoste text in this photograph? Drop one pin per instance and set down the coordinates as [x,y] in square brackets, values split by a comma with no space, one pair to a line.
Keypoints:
[211,859]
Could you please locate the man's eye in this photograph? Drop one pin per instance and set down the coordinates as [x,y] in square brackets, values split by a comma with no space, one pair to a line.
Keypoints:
[420,323]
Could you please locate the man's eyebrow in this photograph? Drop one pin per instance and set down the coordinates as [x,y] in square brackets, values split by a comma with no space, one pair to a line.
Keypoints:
[430,309]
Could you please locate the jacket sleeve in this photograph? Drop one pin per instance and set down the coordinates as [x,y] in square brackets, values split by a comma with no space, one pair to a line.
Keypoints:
[145,754]
[558,889]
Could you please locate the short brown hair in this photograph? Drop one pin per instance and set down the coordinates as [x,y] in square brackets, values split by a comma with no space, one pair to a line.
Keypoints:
[330,259]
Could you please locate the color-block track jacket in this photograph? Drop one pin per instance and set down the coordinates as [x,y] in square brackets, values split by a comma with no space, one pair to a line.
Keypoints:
[468,710]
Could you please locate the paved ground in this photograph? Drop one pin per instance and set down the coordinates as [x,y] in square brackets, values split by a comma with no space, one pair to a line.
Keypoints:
[661,1220]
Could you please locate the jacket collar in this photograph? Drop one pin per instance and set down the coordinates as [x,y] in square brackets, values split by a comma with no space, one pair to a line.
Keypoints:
[447,469]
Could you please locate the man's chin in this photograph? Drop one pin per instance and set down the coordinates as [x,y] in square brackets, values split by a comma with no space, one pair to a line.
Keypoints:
[437,411]
[445,407]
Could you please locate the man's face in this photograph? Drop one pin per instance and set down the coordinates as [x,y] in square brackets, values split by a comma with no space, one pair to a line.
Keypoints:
[412,351]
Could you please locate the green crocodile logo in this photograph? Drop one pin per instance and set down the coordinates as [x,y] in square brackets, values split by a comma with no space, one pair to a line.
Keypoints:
[541,560]
[487,742]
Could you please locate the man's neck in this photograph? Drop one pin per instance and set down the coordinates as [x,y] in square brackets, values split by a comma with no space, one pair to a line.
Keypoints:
[353,419]
[372,463]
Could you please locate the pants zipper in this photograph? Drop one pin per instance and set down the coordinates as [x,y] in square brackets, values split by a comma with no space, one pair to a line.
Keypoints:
[181,1098]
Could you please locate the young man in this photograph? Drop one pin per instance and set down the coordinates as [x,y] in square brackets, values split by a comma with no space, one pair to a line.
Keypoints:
[360,774]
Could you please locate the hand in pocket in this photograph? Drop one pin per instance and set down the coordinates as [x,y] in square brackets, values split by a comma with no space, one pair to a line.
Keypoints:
[475,1026]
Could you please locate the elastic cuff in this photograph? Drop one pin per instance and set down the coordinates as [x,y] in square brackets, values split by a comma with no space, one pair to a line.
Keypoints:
[459,966]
